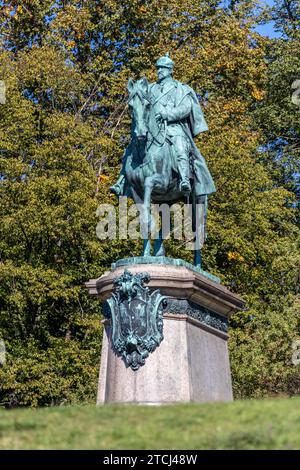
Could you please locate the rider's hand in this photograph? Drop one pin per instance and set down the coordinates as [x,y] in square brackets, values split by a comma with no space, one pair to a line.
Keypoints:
[162,115]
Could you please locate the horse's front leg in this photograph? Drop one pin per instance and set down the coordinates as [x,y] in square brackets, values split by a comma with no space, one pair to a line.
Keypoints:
[143,222]
[146,217]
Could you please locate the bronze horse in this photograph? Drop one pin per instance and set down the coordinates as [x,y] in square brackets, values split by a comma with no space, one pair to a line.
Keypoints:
[149,172]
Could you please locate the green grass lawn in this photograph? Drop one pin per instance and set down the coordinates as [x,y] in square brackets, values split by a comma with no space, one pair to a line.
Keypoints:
[249,424]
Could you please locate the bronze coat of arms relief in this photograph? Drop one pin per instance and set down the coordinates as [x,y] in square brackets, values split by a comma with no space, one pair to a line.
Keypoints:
[136,318]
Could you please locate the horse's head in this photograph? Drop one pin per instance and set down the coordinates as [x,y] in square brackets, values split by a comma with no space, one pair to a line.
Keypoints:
[139,104]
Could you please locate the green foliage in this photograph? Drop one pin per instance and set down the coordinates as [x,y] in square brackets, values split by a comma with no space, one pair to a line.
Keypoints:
[64,372]
[63,130]
[279,113]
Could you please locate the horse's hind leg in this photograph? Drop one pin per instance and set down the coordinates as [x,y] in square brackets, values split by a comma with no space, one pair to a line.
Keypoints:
[199,208]
[197,257]
[159,249]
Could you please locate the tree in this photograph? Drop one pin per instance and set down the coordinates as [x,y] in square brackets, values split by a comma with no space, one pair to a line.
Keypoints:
[62,133]
[278,115]
[264,345]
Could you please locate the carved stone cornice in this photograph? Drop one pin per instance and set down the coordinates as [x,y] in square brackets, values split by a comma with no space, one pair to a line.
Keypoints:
[176,282]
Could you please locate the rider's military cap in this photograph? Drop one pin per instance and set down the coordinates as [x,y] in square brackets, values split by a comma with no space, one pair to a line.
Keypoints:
[165,61]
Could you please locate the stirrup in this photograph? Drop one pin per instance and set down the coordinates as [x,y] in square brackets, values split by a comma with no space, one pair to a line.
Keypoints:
[185,186]
[115,189]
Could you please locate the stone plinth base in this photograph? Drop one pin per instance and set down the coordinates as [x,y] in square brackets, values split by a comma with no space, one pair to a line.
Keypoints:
[191,363]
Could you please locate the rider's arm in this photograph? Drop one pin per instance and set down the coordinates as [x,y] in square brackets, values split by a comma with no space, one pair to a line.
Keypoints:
[179,112]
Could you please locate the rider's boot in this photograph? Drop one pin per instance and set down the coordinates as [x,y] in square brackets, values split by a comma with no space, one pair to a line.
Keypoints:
[185,185]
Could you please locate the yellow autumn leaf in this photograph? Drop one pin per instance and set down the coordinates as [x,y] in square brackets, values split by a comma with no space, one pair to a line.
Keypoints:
[257,94]
[233,255]
[103,177]
[7,11]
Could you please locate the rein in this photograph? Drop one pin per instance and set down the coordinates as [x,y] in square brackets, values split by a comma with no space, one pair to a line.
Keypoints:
[155,139]
[161,144]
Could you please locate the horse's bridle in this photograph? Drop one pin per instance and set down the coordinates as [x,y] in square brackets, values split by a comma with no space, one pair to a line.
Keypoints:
[142,96]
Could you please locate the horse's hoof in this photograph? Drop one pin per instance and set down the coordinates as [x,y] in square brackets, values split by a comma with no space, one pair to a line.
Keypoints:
[160,253]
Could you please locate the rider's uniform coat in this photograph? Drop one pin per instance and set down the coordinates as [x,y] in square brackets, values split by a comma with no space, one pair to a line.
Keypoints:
[184,121]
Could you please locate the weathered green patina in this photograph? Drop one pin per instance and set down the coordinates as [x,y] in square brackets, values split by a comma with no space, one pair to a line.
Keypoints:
[163,260]
[198,312]
[136,317]
[162,162]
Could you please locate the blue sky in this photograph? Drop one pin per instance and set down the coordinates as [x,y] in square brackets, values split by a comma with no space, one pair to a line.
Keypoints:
[268,29]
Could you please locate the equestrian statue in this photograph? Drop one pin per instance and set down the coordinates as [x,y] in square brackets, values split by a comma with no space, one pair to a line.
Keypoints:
[162,163]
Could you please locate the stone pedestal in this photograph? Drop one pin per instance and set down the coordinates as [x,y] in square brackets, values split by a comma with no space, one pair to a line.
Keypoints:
[191,363]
